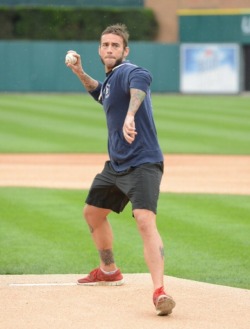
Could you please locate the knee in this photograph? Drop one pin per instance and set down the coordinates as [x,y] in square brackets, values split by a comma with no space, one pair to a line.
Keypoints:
[143,227]
[86,213]
[93,214]
[145,222]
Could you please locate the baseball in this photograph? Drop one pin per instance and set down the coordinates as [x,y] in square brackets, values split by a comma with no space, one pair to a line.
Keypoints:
[70,58]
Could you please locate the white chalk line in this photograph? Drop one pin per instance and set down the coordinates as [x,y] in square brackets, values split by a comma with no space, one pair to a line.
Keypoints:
[41,284]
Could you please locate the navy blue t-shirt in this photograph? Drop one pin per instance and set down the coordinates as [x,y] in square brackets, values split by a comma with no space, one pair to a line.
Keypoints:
[114,95]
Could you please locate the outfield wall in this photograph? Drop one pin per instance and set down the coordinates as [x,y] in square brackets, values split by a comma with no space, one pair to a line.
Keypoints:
[38,66]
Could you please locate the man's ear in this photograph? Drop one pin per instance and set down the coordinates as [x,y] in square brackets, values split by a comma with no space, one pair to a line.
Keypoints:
[126,51]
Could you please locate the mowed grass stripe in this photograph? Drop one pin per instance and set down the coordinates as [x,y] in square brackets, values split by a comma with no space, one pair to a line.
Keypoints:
[45,141]
[198,141]
[59,99]
[205,236]
[51,129]
[212,232]
[220,117]
[215,118]
[190,109]
[203,124]
[65,125]
[223,104]
[48,229]
[185,124]
[75,111]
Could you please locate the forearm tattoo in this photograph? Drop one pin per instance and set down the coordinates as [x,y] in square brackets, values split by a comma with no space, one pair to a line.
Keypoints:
[107,256]
[136,98]
[162,252]
[89,83]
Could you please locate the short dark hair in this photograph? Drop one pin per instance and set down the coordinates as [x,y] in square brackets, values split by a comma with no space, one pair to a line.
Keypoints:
[118,29]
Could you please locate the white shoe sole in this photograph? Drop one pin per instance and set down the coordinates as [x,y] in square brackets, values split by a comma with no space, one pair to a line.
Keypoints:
[165,305]
[102,283]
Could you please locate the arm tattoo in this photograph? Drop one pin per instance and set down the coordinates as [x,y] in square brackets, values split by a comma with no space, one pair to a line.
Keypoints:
[107,256]
[136,98]
[162,252]
[89,83]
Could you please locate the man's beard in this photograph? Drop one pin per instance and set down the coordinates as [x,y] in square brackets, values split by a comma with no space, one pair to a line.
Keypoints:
[117,62]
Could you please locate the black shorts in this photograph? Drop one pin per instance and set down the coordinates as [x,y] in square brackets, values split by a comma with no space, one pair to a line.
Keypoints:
[140,185]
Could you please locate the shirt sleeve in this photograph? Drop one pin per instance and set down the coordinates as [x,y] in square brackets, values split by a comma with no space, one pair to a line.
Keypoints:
[96,93]
[140,79]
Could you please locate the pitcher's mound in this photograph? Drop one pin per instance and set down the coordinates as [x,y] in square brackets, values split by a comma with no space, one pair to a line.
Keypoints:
[56,302]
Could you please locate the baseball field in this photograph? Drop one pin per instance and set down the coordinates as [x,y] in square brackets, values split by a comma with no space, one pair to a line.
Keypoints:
[52,145]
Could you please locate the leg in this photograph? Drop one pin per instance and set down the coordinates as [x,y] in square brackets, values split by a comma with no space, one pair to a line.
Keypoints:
[142,185]
[102,235]
[153,246]
[154,256]
[103,198]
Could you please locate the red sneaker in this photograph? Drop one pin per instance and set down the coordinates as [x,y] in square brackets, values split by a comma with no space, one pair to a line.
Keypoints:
[163,302]
[98,278]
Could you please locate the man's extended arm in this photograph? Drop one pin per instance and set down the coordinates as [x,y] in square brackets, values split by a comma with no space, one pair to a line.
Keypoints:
[129,130]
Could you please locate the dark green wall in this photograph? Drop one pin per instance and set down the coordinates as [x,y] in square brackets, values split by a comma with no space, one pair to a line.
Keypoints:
[38,66]
[215,28]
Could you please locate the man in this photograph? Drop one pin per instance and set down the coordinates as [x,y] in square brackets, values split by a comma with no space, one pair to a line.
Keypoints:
[135,168]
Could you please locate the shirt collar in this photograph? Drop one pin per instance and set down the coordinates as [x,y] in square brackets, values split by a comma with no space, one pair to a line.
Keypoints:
[116,67]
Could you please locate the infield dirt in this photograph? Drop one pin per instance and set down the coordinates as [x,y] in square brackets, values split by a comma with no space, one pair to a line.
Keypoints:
[183,173]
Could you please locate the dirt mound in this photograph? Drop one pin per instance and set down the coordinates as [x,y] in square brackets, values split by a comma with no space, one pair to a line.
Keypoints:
[54,301]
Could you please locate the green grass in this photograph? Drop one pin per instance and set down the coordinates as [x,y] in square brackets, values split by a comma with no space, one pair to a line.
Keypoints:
[203,124]
[206,237]
[76,123]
